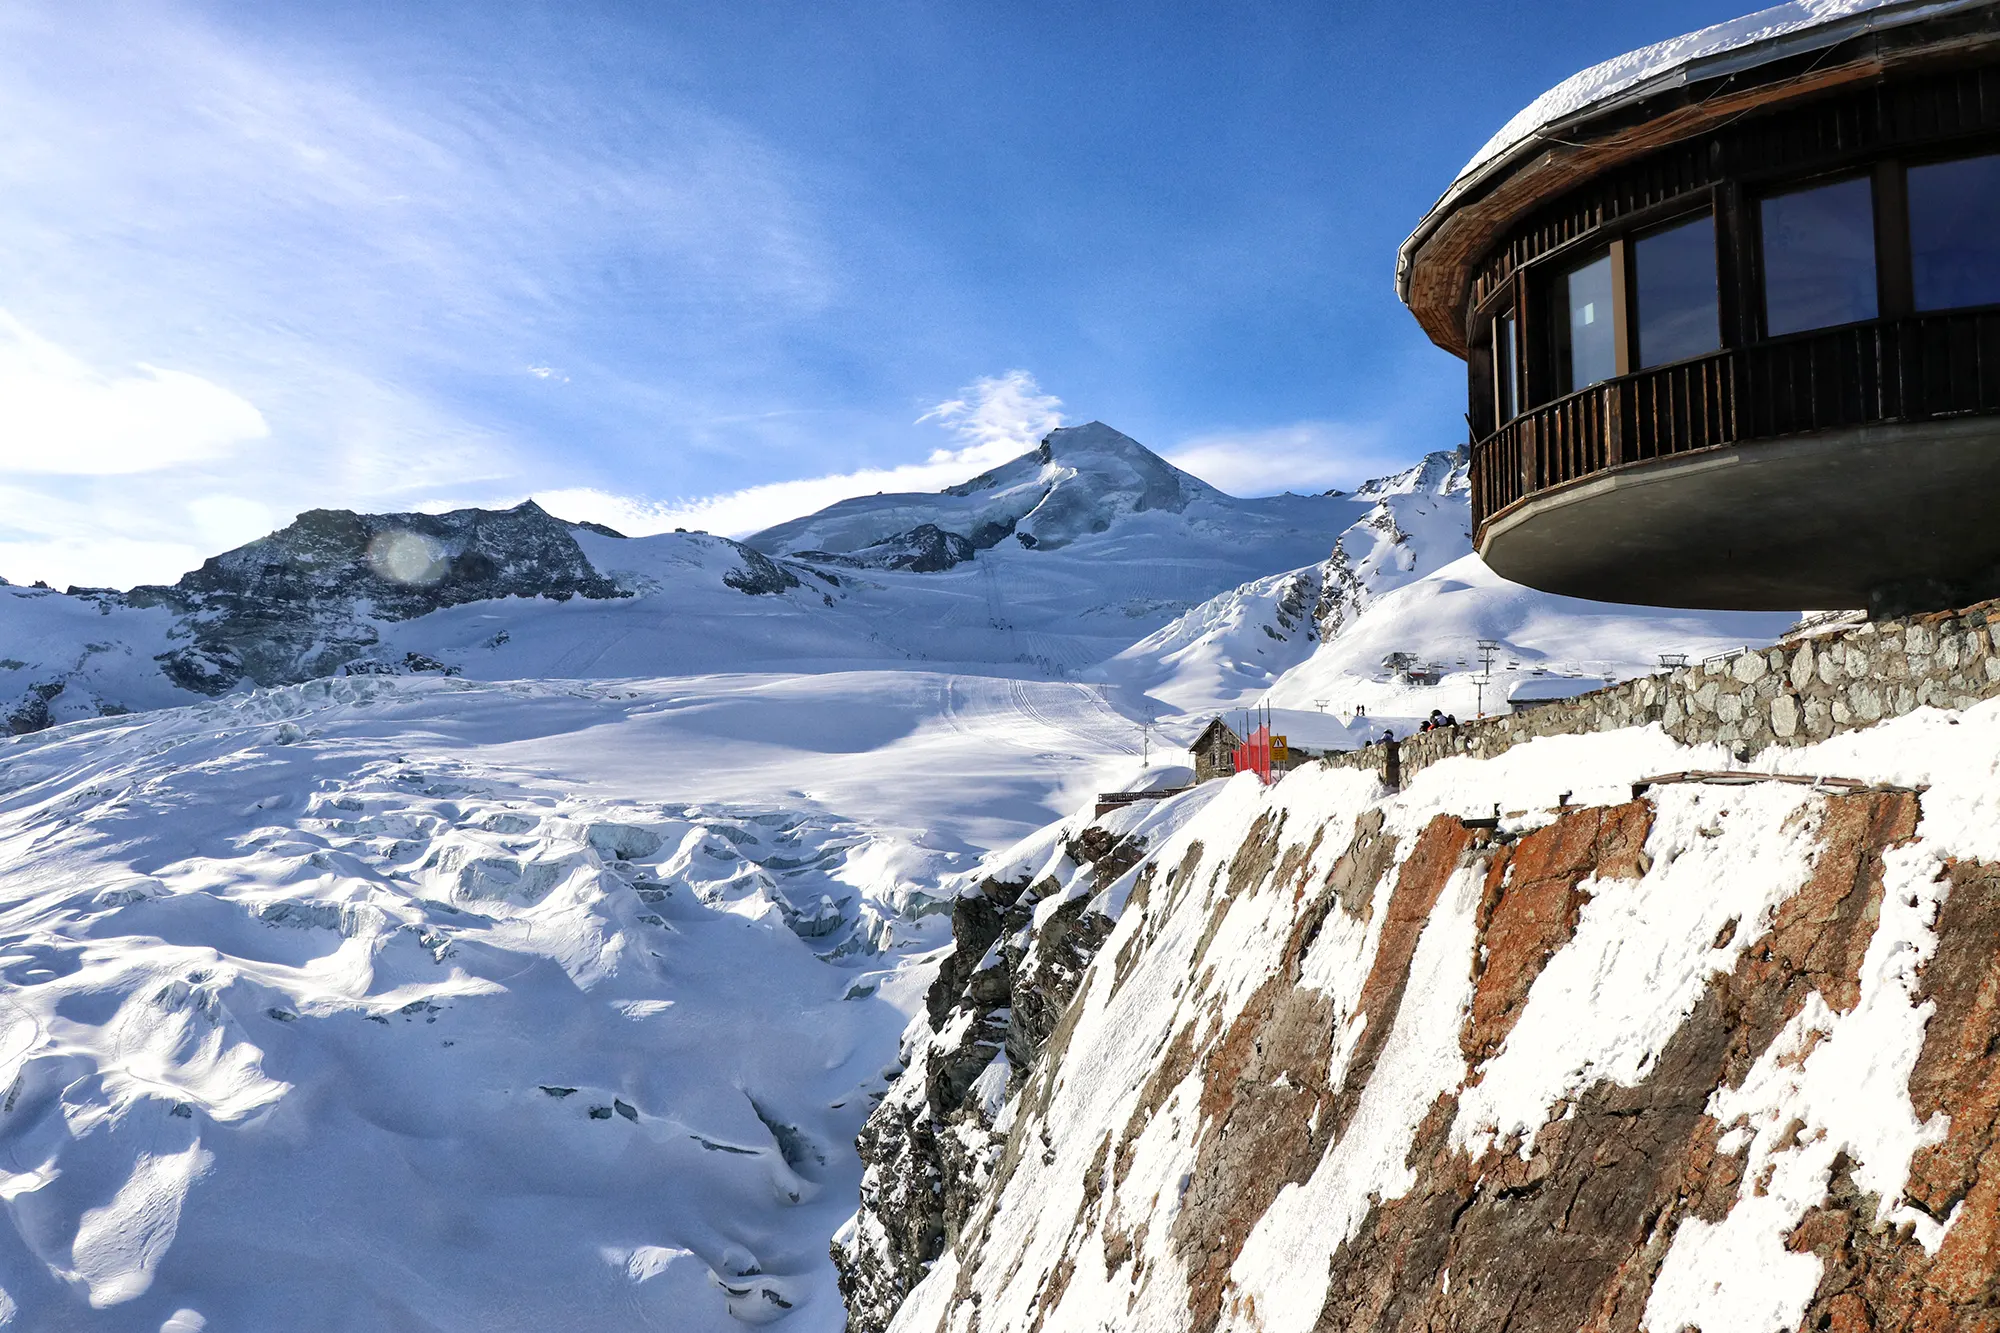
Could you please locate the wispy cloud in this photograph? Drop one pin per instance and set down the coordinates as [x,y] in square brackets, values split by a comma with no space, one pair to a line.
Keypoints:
[1306,456]
[286,273]
[991,420]
[61,415]
[104,537]
[996,416]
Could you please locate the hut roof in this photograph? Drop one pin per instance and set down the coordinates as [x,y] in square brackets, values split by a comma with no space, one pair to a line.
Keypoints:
[1207,731]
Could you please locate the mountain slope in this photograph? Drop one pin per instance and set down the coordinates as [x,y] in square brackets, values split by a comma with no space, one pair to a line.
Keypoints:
[1229,650]
[1041,567]
[1326,643]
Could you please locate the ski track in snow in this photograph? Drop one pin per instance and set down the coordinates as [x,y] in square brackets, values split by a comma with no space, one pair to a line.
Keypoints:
[1075,712]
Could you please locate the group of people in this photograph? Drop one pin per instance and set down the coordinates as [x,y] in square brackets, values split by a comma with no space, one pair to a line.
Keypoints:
[1437,721]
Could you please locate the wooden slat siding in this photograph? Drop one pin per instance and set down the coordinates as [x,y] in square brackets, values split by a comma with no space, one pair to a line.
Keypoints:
[1942,364]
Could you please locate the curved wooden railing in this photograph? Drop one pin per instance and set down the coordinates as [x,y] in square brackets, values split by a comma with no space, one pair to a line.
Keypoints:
[1913,369]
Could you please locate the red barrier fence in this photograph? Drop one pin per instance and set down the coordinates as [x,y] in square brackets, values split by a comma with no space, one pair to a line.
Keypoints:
[1254,755]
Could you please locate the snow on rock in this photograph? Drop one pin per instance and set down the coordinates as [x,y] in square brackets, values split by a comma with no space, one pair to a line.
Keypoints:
[1081,481]
[67,657]
[1231,647]
[1387,628]
[1709,1059]
[1025,924]
[1228,649]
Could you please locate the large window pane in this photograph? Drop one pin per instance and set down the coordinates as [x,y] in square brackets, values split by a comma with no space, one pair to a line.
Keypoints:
[1819,257]
[1676,288]
[1955,233]
[1504,368]
[1591,353]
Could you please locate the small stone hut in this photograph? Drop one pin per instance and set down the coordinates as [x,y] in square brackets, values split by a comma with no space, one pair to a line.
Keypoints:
[1215,751]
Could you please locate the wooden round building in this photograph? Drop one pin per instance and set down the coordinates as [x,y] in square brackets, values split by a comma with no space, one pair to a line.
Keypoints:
[1731,311]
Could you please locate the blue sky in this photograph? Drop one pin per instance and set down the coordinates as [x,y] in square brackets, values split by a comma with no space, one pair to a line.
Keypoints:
[713,264]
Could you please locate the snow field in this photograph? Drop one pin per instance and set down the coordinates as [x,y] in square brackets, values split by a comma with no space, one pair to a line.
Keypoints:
[441,1005]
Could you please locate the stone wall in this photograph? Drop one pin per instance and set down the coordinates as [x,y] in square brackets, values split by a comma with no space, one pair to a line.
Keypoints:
[1792,694]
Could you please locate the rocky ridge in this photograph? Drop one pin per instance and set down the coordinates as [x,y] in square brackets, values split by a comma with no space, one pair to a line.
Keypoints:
[300,602]
[1234,647]
[322,596]
[1382,557]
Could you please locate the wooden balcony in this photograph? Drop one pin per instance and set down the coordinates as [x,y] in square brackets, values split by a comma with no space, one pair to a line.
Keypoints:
[1917,369]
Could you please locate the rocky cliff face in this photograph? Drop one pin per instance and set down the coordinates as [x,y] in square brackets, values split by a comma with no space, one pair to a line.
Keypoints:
[1718,1058]
[299,603]
[1377,554]
[1022,934]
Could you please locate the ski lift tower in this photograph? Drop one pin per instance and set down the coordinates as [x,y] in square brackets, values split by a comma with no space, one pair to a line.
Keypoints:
[1488,648]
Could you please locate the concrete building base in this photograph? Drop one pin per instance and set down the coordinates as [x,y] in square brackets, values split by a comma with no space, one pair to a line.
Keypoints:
[1892,518]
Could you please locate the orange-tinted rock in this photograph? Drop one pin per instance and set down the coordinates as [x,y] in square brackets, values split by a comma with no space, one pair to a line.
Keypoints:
[1268,1109]
[1532,901]
[1823,930]
[1878,1277]
[1958,1073]
[1571,1237]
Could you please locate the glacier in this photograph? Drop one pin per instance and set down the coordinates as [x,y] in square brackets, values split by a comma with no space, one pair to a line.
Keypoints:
[523,945]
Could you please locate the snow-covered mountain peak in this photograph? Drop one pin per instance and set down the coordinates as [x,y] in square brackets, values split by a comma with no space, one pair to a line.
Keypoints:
[1440,472]
[1097,476]
[1113,460]
[1081,481]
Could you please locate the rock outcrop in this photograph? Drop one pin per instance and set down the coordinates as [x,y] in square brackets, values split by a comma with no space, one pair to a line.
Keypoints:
[1714,1058]
[299,603]
[1021,940]
[924,549]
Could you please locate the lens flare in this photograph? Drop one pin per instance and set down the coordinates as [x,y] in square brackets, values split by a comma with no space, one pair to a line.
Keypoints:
[402,556]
